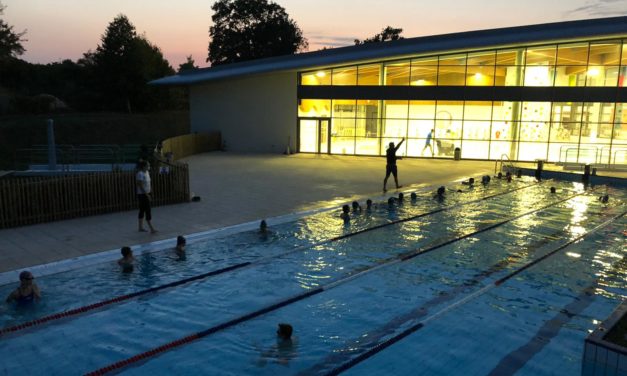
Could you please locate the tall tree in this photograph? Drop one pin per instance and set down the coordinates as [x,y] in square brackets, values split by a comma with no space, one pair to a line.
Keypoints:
[123,64]
[10,41]
[387,34]
[251,29]
[189,64]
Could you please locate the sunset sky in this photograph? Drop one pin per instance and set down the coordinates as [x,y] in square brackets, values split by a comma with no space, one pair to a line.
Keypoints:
[65,29]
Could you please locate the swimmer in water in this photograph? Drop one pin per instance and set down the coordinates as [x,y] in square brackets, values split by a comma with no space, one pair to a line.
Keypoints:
[27,292]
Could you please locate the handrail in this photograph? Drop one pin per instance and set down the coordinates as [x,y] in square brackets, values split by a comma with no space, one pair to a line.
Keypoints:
[616,152]
[503,156]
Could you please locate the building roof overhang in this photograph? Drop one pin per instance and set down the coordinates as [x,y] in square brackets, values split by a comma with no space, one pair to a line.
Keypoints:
[471,40]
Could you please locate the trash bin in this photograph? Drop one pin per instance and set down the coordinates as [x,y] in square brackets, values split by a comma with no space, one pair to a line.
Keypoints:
[458,154]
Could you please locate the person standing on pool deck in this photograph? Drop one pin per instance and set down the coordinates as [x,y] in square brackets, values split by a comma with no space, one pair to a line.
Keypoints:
[142,181]
[390,167]
[27,292]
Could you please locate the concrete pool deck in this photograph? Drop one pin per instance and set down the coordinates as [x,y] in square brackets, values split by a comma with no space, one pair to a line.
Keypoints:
[234,188]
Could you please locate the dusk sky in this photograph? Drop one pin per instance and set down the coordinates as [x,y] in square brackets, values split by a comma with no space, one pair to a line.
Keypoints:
[65,29]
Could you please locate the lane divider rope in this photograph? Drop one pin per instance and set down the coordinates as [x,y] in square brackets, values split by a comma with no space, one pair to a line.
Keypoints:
[387,262]
[389,342]
[119,299]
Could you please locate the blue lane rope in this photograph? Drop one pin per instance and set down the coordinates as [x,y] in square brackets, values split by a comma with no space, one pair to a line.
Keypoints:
[382,346]
[119,299]
[283,303]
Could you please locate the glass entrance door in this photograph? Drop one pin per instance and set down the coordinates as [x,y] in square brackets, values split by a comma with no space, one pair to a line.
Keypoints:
[314,135]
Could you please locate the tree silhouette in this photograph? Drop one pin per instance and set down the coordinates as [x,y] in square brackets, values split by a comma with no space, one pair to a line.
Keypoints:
[123,64]
[190,64]
[251,29]
[10,41]
[387,34]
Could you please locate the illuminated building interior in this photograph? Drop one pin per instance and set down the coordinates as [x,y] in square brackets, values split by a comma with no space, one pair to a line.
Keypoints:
[545,101]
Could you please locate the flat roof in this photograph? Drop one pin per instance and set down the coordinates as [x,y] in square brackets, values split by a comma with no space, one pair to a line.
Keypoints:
[598,27]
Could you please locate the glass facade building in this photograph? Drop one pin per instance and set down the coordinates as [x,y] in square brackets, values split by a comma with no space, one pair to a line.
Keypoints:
[561,101]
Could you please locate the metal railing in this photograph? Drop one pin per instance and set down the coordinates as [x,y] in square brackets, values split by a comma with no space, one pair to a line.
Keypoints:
[501,161]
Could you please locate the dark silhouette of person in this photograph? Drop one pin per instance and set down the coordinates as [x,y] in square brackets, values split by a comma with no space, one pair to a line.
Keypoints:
[345,213]
[390,167]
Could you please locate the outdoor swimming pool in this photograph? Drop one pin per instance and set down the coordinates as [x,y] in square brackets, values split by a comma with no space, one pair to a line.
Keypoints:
[499,279]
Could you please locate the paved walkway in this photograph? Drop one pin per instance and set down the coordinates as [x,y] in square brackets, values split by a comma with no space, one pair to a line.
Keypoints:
[234,188]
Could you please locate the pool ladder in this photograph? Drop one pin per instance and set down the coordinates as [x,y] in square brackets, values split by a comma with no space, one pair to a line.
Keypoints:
[501,161]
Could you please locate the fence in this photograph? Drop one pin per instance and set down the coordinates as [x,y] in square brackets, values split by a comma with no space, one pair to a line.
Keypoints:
[30,200]
[189,144]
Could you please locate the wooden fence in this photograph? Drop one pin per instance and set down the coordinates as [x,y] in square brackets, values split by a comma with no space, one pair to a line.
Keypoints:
[190,144]
[30,200]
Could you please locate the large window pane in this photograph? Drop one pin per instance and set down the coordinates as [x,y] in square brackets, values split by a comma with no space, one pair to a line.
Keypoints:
[344,108]
[475,149]
[566,132]
[572,54]
[368,74]
[395,128]
[567,112]
[539,75]
[420,128]
[605,53]
[314,108]
[504,110]
[602,76]
[536,111]
[343,145]
[479,75]
[424,75]
[570,75]
[367,124]
[510,57]
[536,131]
[343,127]
[455,60]
[397,74]
[544,55]
[477,130]
[530,151]
[395,109]
[421,109]
[620,122]
[500,148]
[321,77]
[486,58]
[449,75]
[345,76]
[503,130]
[451,110]
[367,146]
[478,110]
[562,152]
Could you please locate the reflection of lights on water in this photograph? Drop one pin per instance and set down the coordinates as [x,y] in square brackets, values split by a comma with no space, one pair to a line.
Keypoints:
[573,254]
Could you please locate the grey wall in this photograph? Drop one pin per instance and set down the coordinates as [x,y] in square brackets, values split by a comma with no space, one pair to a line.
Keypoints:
[255,114]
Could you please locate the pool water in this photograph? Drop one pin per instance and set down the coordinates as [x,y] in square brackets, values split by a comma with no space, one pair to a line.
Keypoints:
[533,323]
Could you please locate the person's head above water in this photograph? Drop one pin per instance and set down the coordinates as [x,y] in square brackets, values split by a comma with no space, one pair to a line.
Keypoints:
[441,191]
[499,175]
[391,201]
[413,196]
[604,198]
[401,196]
[263,226]
[126,251]
[284,331]
[553,190]
[355,205]
[180,241]
[346,208]
[368,203]
[26,276]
